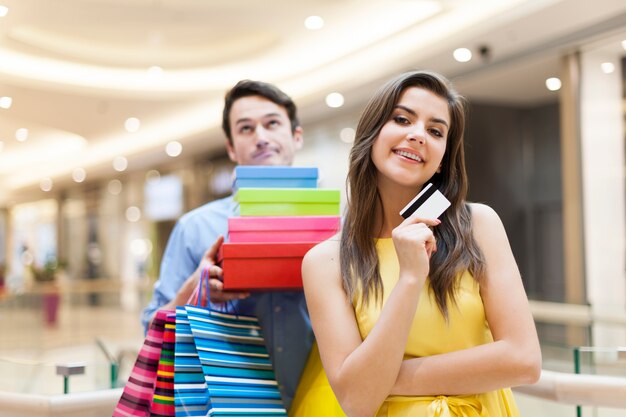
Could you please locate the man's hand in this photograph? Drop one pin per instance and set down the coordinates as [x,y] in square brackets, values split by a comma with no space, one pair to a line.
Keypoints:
[216,286]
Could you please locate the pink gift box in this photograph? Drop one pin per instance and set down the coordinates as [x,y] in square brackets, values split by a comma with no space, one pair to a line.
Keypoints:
[275,229]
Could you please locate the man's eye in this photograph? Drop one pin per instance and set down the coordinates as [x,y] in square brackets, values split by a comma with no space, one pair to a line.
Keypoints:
[245,129]
[273,123]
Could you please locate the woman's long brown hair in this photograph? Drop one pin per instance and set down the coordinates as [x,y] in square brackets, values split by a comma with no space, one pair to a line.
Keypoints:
[457,250]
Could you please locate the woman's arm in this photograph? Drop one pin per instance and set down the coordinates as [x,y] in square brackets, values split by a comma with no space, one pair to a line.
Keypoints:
[514,358]
[362,372]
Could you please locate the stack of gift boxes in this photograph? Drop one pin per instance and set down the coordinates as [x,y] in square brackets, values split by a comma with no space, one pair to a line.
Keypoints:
[282,214]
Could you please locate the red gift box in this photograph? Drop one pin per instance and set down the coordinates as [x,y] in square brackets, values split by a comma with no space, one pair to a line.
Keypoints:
[263,266]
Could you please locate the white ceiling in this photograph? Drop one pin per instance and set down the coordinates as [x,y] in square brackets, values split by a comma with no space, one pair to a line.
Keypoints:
[76,69]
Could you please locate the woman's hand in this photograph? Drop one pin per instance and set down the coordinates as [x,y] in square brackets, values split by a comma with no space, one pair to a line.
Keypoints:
[415,243]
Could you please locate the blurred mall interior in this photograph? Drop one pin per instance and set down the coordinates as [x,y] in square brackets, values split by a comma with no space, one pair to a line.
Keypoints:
[110,115]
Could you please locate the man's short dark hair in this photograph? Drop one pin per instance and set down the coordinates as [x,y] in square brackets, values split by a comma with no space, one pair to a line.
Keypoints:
[247,88]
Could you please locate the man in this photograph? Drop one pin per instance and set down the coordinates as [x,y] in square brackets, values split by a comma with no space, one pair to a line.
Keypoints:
[262,128]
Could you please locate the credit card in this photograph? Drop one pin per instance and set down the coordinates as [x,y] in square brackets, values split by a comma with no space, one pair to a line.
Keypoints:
[428,204]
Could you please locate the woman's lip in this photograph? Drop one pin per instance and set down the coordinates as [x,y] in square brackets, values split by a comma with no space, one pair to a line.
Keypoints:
[406,158]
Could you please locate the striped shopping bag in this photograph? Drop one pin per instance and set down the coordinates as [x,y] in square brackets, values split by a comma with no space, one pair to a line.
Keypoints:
[236,366]
[136,399]
[163,398]
[190,389]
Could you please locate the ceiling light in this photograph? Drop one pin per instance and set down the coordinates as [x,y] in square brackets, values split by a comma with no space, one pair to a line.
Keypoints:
[3,10]
[132,124]
[141,247]
[313,23]
[155,71]
[607,67]
[624,44]
[21,134]
[334,100]
[6,102]
[114,187]
[462,54]
[79,175]
[153,175]
[120,163]
[553,84]
[133,214]
[347,135]
[173,149]
[45,184]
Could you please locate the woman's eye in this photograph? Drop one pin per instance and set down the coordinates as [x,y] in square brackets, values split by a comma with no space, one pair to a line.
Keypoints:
[436,133]
[401,119]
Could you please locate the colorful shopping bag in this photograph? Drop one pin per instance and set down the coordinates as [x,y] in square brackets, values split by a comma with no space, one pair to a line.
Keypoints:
[236,365]
[190,389]
[163,398]
[136,399]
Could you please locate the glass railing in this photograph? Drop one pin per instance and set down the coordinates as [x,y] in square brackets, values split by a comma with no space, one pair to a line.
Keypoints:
[559,391]
[49,378]
[605,361]
[94,367]
[594,360]
[90,330]
[564,331]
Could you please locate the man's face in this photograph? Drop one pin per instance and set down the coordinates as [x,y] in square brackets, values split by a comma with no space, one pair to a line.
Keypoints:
[261,133]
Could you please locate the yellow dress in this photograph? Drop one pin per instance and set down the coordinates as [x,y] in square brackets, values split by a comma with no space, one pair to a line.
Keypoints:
[314,396]
[430,335]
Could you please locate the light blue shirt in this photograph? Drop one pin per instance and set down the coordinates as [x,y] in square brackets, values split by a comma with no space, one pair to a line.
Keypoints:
[283,314]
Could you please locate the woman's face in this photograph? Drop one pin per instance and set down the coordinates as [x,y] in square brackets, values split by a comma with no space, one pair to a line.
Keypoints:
[410,146]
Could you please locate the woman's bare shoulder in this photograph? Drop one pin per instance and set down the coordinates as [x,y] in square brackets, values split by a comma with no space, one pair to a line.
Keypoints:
[488,229]
[325,251]
[483,217]
[321,265]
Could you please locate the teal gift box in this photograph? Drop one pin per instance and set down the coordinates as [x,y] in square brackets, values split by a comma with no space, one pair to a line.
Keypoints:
[275,177]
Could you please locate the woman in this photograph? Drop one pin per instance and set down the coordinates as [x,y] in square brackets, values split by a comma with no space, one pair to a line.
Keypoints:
[418,317]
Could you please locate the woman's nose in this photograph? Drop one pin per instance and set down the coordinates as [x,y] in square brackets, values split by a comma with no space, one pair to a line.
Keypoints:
[416,136]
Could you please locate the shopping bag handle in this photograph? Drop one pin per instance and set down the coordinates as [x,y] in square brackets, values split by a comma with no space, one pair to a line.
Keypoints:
[204,282]
[196,296]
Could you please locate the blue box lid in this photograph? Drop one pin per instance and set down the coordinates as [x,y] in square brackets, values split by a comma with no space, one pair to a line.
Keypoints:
[275,172]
